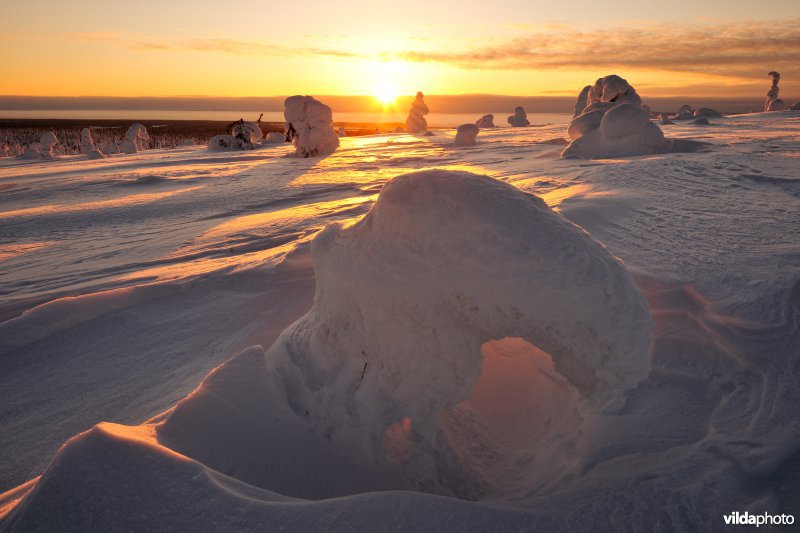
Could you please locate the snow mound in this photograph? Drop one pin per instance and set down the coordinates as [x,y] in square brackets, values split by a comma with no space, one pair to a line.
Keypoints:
[415,122]
[87,141]
[224,142]
[95,154]
[614,130]
[341,132]
[458,261]
[684,115]
[273,137]
[466,135]
[135,139]
[519,118]
[665,120]
[700,121]
[309,124]
[486,121]
[707,112]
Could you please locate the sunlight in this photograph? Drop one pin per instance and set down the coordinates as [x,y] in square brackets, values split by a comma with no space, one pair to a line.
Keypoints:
[386,92]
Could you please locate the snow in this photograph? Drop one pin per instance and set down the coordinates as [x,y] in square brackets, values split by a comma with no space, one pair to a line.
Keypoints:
[486,121]
[129,279]
[136,139]
[466,135]
[248,133]
[309,123]
[707,112]
[614,130]
[415,122]
[773,103]
[519,118]
[274,137]
[87,141]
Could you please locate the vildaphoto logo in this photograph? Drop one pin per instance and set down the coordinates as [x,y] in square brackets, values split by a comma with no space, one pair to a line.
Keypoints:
[746,519]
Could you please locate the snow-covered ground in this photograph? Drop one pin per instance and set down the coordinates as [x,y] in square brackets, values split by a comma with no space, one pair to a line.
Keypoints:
[129,282]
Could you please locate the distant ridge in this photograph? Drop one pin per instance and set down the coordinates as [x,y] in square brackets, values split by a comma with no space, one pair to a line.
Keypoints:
[462,103]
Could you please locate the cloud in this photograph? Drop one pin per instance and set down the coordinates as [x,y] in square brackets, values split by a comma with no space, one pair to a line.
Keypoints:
[736,50]
[732,50]
[213,45]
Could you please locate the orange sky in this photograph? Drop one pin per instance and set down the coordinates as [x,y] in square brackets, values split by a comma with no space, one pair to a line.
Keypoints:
[513,47]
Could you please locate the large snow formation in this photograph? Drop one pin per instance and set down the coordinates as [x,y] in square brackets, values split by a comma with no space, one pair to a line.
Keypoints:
[466,135]
[135,139]
[444,262]
[415,122]
[707,112]
[309,124]
[613,123]
[519,118]
[608,89]
[774,103]
[486,121]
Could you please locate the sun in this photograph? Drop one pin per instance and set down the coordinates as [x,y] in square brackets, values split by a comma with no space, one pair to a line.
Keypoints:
[385,92]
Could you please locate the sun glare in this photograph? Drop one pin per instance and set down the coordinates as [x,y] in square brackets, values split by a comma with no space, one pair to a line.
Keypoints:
[385,93]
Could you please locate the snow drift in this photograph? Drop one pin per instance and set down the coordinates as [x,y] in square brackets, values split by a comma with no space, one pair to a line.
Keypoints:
[415,122]
[309,124]
[466,135]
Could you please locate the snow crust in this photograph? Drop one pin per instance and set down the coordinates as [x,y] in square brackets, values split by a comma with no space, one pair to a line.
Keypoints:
[415,122]
[309,124]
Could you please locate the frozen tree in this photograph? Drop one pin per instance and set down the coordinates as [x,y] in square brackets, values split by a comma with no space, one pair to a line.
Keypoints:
[774,103]
[614,124]
[309,125]
[519,118]
[47,145]
[415,122]
[486,121]
[135,139]
[87,141]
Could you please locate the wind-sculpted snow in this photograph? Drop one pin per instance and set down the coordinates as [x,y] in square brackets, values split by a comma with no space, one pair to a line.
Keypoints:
[443,263]
[615,124]
[415,122]
[309,124]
